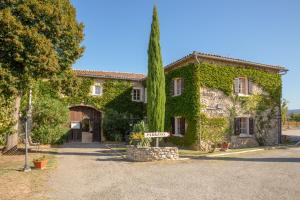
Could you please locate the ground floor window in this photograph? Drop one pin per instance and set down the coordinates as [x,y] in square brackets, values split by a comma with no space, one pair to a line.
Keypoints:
[243,126]
[178,126]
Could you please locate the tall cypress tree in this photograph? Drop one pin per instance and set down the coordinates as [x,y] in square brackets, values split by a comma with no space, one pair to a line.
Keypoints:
[156,97]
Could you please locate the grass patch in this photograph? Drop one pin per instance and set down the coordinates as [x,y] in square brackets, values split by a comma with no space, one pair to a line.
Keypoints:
[21,185]
[121,149]
[191,153]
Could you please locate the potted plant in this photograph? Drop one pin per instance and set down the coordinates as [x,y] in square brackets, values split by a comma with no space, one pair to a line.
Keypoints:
[40,163]
[224,146]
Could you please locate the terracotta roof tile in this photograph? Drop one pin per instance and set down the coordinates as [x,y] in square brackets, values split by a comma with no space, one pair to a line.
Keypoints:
[224,59]
[110,75]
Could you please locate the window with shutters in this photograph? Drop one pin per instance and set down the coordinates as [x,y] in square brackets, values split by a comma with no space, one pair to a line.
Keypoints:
[178,126]
[177,86]
[244,126]
[137,94]
[242,86]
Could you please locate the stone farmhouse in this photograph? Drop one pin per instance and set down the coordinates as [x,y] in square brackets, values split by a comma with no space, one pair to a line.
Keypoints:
[206,96]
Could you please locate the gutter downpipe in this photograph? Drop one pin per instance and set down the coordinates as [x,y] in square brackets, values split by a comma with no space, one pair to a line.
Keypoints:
[279,116]
[199,140]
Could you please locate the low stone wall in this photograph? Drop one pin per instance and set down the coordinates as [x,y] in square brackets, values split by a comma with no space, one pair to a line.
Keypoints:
[243,142]
[144,154]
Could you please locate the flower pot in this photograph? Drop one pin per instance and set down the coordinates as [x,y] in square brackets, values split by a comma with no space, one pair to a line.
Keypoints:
[40,164]
[224,146]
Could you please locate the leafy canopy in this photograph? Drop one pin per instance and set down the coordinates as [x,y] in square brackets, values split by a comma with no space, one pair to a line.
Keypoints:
[39,38]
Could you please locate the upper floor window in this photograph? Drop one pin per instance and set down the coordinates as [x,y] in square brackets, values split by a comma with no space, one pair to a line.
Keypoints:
[137,94]
[177,86]
[97,90]
[242,86]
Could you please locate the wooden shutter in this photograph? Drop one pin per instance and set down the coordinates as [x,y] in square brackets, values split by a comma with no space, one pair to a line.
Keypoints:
[172,88]
[250,86]
[251,126]
[236,85]
[182,85]
[173,125]
[182,126]
[237,126]
[92,89]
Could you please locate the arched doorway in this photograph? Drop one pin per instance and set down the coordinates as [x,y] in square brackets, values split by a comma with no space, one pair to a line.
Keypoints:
[85,124]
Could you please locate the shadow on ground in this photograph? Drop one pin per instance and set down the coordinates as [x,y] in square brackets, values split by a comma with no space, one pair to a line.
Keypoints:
[275,160]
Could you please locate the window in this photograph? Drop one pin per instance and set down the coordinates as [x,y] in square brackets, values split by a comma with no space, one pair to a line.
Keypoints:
[97,90]
[145,95]
[178,126]
[243,126]
[242,86]
[137,94]
[177,87]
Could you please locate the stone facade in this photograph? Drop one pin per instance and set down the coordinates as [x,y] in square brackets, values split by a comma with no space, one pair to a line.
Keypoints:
[214,103]
[152,153]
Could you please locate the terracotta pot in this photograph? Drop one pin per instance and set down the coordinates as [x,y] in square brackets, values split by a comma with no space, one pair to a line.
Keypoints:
[40,164]
[224,146]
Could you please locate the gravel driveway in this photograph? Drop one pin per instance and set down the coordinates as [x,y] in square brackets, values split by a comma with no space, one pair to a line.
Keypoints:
[95,172]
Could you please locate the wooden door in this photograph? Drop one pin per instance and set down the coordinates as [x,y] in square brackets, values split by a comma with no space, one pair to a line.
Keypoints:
[84,119]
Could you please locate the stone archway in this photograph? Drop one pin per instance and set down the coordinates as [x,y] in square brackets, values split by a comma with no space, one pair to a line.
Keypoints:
[85,124]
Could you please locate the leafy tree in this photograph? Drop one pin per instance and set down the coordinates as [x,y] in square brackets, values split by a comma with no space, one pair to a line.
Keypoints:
[38,39]
[115,125]
[295,117]
[156,80]
[50,118]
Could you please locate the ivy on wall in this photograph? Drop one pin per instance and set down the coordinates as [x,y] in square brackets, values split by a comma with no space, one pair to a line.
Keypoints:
[219,77]
[186,105]
[116,96]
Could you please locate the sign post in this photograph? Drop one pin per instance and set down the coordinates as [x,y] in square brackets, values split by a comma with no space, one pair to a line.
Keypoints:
[156,135]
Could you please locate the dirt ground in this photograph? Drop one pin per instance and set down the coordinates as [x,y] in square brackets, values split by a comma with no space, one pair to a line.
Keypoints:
[16,184]
[96,172]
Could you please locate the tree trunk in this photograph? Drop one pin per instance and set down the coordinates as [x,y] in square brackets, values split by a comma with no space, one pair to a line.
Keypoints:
[12,139]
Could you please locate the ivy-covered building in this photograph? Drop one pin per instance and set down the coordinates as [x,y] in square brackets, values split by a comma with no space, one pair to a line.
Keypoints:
[99,92]
[209,98]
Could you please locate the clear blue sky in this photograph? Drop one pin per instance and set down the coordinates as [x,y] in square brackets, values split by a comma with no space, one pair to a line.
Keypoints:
[117,33]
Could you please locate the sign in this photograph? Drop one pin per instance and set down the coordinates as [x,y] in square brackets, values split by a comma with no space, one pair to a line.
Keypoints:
[75,125]
[156,134]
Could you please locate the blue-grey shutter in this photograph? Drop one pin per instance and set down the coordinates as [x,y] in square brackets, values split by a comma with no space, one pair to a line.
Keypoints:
[172,88]
[236,85]
[182,85]
[251,126]
[237,126]
[182,126]
[173,125]
[250,86]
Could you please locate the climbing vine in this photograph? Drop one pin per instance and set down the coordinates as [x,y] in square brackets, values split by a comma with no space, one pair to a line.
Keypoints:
[218,77]
[116,96]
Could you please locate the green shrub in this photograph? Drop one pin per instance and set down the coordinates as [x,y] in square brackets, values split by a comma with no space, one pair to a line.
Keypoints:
[50,119]
[137,136]
[214,130]
[140,127]
[6,120]
[115,124]
[138,139]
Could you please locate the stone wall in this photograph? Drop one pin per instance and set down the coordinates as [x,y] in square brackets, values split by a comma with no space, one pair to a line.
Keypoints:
[242,142]
[214,103]
[144,154]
